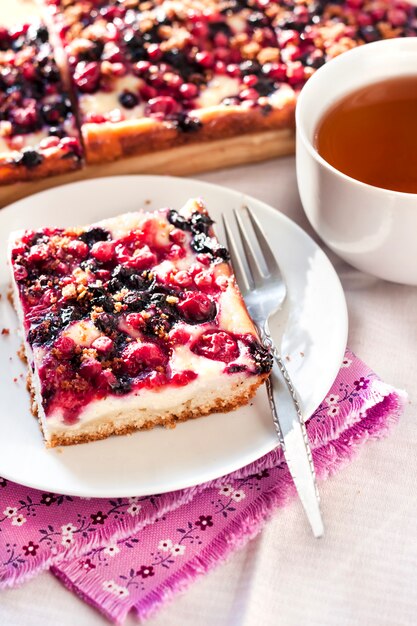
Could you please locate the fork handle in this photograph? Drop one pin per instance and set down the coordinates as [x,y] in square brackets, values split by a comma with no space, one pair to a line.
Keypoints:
[292,434]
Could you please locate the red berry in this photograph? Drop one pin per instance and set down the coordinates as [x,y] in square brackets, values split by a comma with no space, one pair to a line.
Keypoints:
[135,320]
[233,70]
[71,144]
[107,379]
[217,345]
[142,258]
[176,252]
[177,236]
[103,251]
[137,357]
[112,53]
[26,115]
[87,76]
[205,58]
[220,67]
[65,345]
[295,72]
[173,80]
[147,92]
[249,94]
[20,272]
[397,17]
[77,248]
[204,279]
[90,369]
[221,41]
[183,378]
[95,118]
[179,336]
[183,279]
[196,307]
[38,253]
[141,67]
[102,275]
[154,52]
[189,91]
[200,29]
[250,80]
[162,107]
[102,344]
[28,70]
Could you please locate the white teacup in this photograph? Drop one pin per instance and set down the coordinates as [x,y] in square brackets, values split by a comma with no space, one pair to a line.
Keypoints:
[374,229]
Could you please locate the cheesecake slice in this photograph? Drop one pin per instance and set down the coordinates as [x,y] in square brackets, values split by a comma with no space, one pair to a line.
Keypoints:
[132,322]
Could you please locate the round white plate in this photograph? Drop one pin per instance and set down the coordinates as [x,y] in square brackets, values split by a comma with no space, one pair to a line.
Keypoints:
[313,331]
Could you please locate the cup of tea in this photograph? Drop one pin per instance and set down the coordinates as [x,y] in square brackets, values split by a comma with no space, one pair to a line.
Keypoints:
[356,157]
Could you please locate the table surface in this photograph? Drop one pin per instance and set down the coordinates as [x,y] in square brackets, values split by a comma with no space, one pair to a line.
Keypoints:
[362,573]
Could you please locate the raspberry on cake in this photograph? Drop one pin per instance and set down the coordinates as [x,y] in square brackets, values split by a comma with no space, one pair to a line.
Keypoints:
[38,133]
[132,322]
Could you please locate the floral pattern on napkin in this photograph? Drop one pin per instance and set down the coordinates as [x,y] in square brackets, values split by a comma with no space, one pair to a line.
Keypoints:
[135,553]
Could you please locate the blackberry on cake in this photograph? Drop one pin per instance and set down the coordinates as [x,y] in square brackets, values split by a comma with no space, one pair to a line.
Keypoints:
[133,322]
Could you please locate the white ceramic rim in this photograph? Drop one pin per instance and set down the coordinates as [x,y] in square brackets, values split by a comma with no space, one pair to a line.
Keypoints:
[345,59]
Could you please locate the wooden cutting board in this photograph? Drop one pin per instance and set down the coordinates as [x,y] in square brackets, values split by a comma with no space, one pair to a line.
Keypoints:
[180,161]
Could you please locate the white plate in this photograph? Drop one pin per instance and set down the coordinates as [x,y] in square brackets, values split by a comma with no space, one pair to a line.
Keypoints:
[314,333]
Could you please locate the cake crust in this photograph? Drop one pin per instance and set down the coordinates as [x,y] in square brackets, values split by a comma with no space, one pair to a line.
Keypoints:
[109,141]
[169,420]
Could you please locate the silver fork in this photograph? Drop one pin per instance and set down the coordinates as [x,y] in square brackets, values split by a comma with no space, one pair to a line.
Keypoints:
[264,294]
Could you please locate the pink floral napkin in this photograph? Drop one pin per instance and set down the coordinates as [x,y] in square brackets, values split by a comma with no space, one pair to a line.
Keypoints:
[135,554]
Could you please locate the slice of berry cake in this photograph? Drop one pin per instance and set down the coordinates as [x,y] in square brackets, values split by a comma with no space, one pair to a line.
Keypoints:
[38,132]
[132,322]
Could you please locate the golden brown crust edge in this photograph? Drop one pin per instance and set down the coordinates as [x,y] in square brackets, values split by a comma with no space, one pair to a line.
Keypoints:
[111,141]
[219,405]
[52,165]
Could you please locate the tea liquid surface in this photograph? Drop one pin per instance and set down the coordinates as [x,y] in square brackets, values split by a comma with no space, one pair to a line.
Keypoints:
[371,134]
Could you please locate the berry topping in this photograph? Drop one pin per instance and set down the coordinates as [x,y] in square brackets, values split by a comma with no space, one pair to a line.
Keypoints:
[195,307]
[77,248]
[110,307]
[103,251]
[103,344]
[162,107]
[128,100]
[216,345]
[87,76]
[94,234]
[30,158]
[183,378]
[65,346]
[38,253]
[90,369]
[137,357]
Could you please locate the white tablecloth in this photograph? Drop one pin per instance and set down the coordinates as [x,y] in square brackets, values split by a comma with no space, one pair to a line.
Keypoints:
[363,572]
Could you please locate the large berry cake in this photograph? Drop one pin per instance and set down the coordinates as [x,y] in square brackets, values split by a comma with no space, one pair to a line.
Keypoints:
[132,322]
[147,75]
